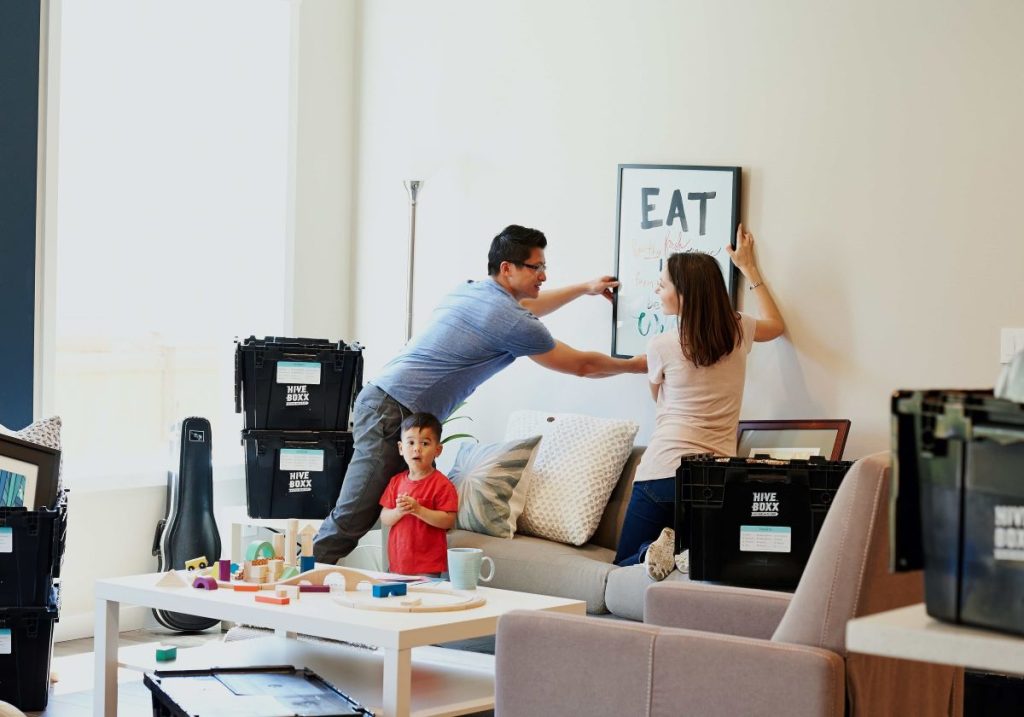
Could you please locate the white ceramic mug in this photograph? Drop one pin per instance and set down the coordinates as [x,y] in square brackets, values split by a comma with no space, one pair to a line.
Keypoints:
[464,566]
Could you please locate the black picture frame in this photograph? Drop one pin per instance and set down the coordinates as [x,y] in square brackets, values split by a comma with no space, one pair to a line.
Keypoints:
[37,466]
[705,219]
[827,435]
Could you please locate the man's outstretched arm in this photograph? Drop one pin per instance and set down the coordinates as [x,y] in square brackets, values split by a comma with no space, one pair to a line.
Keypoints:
[553,299]
[589,364]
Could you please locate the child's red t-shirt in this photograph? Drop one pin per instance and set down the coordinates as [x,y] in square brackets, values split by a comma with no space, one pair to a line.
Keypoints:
[415,547]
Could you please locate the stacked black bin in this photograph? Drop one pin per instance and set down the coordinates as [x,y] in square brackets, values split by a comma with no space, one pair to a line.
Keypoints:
[31,550]
[297,395]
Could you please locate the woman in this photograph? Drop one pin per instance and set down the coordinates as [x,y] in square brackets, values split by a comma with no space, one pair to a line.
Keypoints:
[697,383]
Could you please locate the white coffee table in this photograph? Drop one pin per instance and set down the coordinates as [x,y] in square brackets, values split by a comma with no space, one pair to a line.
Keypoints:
[404,676]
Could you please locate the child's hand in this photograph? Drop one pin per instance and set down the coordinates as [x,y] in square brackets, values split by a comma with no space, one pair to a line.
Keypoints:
[407,504]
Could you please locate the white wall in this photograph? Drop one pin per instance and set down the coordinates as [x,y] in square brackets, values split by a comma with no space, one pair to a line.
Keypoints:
[111,531]
[880,143]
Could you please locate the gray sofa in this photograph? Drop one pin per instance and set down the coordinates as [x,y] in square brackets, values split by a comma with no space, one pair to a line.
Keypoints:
[536,565]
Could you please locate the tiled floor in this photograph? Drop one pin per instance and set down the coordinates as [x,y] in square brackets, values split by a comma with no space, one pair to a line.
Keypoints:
[72,695]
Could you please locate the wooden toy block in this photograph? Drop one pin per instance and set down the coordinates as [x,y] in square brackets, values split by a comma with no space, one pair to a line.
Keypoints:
[224,569]
[205,583]
[259,549]
[412,602]
[171,579]
[261,562]
[246,587]
[306,563]
[197,563]
[279,545]
[386,589]
[289,572]
[166,653]
[290,536]
[272,599]
[306,538]
[314,588]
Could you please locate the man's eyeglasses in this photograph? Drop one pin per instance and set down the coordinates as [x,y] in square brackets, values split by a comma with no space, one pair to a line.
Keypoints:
[537,268]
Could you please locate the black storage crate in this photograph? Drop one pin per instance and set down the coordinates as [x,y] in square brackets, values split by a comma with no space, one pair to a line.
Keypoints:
[299,692]
[959,503]
[753,521]
[294,474]
[26,643]
[296,384]
[31,549]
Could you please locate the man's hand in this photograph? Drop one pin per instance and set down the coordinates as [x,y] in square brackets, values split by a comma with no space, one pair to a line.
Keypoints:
[602,286]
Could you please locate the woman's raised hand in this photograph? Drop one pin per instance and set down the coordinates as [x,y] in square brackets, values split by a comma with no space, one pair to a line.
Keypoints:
[743,255]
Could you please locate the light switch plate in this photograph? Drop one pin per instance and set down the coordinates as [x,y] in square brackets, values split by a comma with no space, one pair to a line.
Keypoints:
[1011,341]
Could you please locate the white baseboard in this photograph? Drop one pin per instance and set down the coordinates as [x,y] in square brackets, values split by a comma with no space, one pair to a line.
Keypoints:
[80,625]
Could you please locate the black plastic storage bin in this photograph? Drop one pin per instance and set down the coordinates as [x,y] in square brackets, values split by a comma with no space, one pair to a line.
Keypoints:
[296,384]
[25,668]
[753,521]
[306,483]
[959,503]
[190,693]
[31,549]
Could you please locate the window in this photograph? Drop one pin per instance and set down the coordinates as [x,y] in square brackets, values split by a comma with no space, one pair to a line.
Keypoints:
[172,222]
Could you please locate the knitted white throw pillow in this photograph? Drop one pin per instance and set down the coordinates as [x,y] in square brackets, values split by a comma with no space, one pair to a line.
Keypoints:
[574,472]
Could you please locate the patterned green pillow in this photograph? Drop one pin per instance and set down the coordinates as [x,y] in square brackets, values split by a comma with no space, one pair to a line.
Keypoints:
[492,480]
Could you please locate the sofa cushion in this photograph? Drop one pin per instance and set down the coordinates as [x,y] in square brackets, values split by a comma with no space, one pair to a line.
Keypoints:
[624,595]
[535,565]
[578,464]
[492,480]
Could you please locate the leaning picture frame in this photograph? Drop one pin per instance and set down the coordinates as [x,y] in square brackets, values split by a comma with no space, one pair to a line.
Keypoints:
[785,439]
[664,209]
[28,474]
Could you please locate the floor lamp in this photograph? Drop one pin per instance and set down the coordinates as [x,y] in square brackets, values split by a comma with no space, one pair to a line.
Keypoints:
[412,186]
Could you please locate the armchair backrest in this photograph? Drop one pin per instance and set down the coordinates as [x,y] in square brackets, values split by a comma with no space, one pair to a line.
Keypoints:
[847,574]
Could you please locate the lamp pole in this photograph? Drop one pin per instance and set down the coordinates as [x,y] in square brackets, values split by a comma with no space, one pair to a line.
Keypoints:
[412,186]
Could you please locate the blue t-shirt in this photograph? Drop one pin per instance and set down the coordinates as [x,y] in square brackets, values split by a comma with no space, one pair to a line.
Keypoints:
[475,331]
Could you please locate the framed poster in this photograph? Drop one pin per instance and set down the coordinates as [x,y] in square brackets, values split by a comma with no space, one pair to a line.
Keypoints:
[792,439]
[664,209]
[28,474]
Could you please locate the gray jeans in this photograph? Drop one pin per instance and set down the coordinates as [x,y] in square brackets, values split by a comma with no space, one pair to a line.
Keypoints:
[377,420]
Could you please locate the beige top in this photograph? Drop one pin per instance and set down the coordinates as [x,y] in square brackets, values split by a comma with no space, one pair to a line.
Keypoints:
[698,408]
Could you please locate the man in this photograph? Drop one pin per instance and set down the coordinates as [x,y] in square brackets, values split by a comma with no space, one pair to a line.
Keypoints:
[476,331]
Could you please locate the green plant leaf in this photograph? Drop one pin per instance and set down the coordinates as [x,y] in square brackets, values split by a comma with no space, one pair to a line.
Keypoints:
[457,436]
[448,420]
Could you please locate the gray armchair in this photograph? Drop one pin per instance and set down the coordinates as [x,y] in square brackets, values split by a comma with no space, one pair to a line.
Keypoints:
[716,650]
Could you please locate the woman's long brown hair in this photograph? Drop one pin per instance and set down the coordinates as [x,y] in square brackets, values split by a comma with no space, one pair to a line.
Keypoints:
[709,328]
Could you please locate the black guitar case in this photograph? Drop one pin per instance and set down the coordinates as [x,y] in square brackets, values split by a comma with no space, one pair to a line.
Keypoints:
[189,529]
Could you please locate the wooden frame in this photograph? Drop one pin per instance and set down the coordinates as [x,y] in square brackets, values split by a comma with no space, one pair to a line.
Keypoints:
[831,447]
[28,474]
[663,209]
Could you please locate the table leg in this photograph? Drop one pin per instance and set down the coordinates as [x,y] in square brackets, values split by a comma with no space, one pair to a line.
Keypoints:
[105,678]
[397,682]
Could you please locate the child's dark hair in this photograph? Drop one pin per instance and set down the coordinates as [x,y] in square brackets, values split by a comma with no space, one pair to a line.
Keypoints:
[421,421]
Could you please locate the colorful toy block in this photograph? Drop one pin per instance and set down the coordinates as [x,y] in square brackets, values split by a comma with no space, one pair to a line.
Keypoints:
[224,569]
[314,588]
[306,563]
[246,587]
[205,583]
[197,563]
[385,589]
[166,653]
[259,549]
[272,599]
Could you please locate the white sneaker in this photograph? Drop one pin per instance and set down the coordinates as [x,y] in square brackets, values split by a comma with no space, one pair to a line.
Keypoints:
[683,561]
[659,559]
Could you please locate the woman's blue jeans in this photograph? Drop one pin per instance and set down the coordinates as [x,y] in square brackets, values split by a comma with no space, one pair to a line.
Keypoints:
[651,508]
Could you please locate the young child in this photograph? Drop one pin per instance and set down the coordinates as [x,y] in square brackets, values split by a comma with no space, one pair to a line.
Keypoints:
[419,504]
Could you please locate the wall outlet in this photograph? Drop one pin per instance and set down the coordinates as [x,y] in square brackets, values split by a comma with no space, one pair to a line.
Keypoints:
[1011,341]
